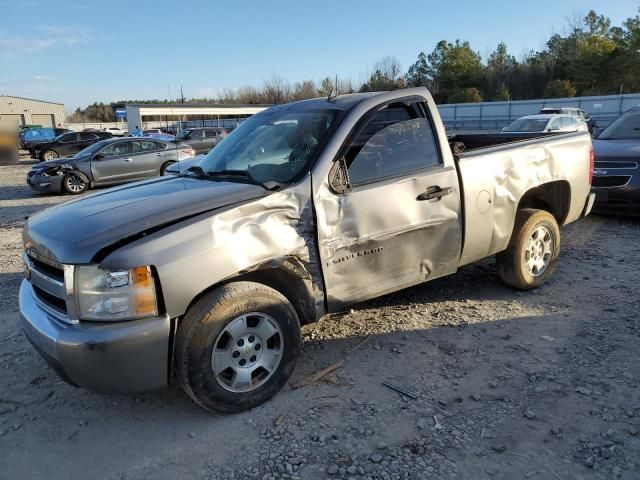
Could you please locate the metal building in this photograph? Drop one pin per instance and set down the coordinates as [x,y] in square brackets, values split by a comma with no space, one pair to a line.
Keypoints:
[218,115]
[17,111]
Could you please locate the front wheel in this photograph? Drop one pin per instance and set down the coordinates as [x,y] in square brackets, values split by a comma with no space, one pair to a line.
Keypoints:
[237,346]
[532,254]
[73,184]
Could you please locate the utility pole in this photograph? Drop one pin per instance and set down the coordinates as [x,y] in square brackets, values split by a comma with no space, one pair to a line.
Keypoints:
[181,94]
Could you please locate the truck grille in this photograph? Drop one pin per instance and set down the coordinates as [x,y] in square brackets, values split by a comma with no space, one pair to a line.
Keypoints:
[47,279]
[611,181]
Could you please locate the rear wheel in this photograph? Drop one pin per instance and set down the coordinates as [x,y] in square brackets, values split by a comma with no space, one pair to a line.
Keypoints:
[532,254]
[73,184]
[237,346]
[49,155]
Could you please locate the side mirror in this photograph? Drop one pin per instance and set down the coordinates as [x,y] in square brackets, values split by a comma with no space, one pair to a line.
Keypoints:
[339,176]
[97,156]
[553,129]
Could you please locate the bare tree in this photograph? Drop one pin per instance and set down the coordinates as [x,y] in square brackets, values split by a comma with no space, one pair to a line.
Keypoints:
[389,66]
[276,90]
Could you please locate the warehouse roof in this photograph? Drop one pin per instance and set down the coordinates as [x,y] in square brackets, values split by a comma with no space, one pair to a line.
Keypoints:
[31,99]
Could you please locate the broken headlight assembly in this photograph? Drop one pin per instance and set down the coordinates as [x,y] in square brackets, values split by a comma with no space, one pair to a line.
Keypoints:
[115,295]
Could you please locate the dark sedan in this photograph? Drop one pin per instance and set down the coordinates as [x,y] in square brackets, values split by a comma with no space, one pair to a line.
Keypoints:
[67,144]
[616,176]
[108,162]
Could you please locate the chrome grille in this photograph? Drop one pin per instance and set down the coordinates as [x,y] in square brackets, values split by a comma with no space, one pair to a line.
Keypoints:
[47,278]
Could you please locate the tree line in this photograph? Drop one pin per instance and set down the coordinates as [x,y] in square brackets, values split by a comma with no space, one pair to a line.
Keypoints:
[594,57]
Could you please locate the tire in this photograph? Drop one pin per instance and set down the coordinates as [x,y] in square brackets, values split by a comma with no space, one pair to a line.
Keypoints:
[49,155]
[164,167]
[74,184]
[204,341]
[532,254]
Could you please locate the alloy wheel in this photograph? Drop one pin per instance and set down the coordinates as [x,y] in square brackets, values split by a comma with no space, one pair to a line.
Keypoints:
[247,352]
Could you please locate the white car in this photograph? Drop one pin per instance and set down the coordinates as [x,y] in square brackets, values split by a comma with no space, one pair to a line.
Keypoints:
[542,123]
[116,131]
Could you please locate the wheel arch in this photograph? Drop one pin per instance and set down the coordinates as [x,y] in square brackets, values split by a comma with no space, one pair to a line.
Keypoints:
[289,277]
[553,197]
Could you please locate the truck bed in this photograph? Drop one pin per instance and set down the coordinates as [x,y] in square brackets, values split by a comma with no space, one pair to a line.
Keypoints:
[467,142]
[501,168]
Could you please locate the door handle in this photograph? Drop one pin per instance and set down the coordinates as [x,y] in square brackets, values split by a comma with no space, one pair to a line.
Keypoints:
[434,192]
[128,159]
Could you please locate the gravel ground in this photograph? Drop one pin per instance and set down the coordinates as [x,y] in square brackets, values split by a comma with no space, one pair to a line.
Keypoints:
[498,384]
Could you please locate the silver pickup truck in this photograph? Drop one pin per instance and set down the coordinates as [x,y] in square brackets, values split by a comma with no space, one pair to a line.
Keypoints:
[304,209]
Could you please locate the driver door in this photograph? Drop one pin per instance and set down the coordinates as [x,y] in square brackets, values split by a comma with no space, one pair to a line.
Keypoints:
[397,223]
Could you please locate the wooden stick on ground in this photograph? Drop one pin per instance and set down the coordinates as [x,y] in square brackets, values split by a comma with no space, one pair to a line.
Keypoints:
[316,377]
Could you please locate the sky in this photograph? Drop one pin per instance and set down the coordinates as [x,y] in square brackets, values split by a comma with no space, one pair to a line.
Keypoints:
[80,51]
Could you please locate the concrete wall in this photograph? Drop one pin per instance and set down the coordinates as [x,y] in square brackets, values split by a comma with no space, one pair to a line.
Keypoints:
[495,115]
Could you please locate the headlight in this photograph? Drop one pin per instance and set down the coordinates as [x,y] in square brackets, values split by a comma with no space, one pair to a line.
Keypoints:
[115,295]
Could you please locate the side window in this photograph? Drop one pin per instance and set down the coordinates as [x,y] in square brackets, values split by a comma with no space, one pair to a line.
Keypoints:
[210,133]
[397,140]
[567,122]
[69,137]
[115,149]
[144,146]
[554,124]
[87,136]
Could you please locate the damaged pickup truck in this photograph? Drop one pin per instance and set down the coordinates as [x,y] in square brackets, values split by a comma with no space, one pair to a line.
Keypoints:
[304,209]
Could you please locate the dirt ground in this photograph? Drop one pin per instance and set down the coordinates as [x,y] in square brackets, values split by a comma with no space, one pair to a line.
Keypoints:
[499,384]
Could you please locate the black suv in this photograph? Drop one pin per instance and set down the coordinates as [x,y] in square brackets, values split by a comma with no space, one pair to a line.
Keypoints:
[202,139]
[67,144]
[32,137]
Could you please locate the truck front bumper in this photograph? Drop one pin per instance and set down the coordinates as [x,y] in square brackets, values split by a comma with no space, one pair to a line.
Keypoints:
[108,357]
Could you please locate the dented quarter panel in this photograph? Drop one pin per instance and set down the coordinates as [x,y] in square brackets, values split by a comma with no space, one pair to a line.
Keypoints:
[495,179]
[274,231]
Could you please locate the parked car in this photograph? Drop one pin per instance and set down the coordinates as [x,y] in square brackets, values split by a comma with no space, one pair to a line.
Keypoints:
[107,162]
[616,177]
[545,123]
[305,209]
[31,138]
[162,136]
[67,144]
[182,166]
[116,131]
[202,139]
[574,112]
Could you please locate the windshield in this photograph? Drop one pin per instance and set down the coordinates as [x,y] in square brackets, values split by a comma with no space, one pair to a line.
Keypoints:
[91,149]
[274,145]
[625,127]
[183,134]
[528,125]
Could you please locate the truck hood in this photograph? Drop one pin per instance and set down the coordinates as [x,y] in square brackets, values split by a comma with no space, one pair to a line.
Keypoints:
[74,232]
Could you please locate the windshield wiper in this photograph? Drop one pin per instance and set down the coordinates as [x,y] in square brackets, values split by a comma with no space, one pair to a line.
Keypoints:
[245,176]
